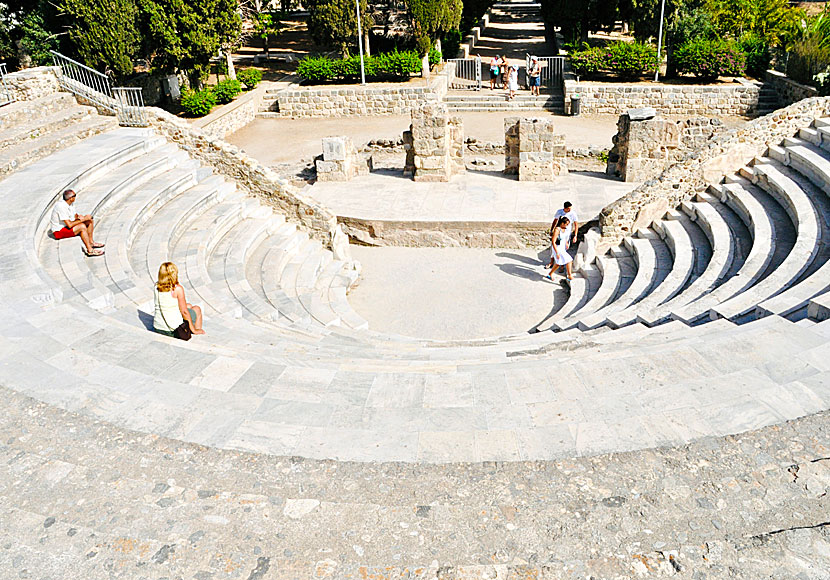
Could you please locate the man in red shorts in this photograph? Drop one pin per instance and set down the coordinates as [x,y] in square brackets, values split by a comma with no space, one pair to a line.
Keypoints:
[67,224]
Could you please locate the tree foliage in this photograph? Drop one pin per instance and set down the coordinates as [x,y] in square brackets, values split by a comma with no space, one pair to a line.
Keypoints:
[430,19]
[105,32]
[185,34]
[774,21]
[334,23]
[577,19]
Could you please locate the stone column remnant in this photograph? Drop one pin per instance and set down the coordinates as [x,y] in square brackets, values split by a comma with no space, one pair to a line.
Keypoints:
[646,143]
[341,161]
[437,148]
[533,150]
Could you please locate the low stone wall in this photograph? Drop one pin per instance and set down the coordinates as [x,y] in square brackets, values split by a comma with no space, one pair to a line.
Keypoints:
[32,83]
[735,99]
[361,100]
[789,91]
[233,116]
[646,144]
[248,174]
[725,154]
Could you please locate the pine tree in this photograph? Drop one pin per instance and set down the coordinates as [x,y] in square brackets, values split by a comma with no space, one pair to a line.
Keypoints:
[430,19]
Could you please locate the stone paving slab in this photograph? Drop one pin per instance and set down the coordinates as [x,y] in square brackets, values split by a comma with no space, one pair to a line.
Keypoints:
[476,196]
[84,498]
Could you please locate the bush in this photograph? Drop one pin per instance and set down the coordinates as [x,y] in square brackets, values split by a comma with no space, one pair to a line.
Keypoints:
[807,59]
[757,54]
[434,57]
[451,43]
[710,59]
[387,65]
[588,62]
[822,82]
[250,77]
[627,59]
[226,90]
[630,59]
[198,103]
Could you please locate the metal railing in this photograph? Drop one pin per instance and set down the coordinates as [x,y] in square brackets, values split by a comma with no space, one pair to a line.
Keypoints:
[130,107]
[467,73]
[126,102]
[551,68]
[6,95]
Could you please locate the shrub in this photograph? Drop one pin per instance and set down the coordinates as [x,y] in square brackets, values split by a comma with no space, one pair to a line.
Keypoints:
[630,59]
[198,103]
[250,77]
[434,57]
[226,90]
[822,82]
[807,58]
[387,65]
[710,59]
[587,62]
[757,54]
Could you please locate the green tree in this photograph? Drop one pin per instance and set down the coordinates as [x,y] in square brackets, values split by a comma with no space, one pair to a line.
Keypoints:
[185,34]
[334,23]
[578,19]
[430,19]
[104,32]
[774,21]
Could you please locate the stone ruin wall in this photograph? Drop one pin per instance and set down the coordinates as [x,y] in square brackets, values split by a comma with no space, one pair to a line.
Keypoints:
[434,144]
[532,150]
[724,154]
[646,143]
[341,161]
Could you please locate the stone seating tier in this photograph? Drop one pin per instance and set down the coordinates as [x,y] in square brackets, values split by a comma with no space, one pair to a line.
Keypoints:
[287,367]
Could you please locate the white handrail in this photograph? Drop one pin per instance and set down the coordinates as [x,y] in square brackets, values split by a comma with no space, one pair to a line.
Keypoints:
[6,95]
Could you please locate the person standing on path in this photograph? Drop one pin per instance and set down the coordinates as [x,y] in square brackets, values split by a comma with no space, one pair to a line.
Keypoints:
[559,248]
[534,76]
[503,69]
[512,82]
[494,71]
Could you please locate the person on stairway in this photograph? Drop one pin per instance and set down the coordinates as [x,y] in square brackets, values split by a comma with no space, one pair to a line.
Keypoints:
[172,311]
[534,76]
[513,82]
[566,211]
[494,71]
[559,248]
[65,223]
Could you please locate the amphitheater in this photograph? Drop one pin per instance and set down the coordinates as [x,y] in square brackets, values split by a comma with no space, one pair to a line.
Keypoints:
[669,420]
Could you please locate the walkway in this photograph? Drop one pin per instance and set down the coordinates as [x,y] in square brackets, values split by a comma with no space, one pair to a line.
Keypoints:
[515,30]
[476,196]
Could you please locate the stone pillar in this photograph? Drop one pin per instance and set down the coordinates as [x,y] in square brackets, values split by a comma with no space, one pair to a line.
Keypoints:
[437,143]
[340,160]
[408,146]
[646,144]
[533,150]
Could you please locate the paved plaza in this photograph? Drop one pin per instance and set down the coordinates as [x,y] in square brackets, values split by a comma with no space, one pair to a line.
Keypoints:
[476,196]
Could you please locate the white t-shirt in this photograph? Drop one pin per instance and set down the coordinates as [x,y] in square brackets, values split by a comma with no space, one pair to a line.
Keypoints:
[571,215]
[61,212]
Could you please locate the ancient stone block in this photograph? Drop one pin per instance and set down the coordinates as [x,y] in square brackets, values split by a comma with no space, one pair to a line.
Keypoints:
[340,160]
[434,144]
[532,149]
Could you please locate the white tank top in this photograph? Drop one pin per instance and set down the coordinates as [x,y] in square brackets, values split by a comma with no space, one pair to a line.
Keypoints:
[167,316]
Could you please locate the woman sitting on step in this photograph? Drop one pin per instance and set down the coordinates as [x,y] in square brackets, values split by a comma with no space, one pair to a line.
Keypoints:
[173,315]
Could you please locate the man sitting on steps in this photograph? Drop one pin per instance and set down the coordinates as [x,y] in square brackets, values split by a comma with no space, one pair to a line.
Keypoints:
[66,223]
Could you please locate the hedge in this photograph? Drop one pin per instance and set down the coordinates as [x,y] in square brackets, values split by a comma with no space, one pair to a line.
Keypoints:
[250,77]
[386,66]
[198,103]
[710,59]
[626,59]
[226,90]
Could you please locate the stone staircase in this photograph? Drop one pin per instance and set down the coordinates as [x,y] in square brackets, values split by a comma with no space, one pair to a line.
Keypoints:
[768,100]
[288,368]
[487,101]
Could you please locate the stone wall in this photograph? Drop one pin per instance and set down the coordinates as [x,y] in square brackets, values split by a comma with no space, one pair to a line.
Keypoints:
[32,83]
[532,149]
[233,116]
[389,99]
[341,161]
[726,153]
[789,91]
[646,144]
[248,174]
[740,98]
[437,144]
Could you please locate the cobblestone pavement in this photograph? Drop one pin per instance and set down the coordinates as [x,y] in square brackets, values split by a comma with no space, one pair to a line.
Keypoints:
[82,499]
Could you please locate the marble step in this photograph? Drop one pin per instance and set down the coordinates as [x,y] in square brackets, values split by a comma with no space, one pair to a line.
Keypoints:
[23,114]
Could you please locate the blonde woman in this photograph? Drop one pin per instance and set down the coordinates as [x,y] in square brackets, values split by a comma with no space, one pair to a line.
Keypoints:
[172,310]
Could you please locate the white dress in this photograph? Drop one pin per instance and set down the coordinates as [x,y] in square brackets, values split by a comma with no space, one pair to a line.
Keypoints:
[561,240]
[513,80]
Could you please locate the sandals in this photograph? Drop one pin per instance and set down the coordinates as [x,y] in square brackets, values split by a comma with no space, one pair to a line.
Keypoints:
[94,252]
[98,245]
